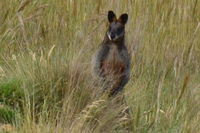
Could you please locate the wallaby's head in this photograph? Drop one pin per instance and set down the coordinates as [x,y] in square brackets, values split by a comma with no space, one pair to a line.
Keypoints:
[116,28]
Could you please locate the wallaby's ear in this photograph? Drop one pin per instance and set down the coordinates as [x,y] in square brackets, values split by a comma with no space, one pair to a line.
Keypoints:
[111,16]
[123,18]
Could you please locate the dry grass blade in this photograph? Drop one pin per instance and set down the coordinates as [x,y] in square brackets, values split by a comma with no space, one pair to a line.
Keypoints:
[32,17]
[21,21]
[41,7]
[2,74]
[51,50]
[23,5]
[191,48]
[185,83]
[158,97]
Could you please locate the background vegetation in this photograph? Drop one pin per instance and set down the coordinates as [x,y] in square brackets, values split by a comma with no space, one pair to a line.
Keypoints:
[45,80]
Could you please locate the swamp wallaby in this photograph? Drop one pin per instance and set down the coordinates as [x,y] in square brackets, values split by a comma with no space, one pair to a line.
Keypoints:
[111,62]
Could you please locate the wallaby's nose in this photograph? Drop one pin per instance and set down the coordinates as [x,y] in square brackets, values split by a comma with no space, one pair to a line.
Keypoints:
[112,36]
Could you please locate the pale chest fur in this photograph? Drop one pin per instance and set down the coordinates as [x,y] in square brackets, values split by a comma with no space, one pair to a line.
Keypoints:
[113,63]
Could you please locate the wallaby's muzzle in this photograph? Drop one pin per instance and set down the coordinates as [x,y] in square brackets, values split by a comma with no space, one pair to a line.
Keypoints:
[111,36]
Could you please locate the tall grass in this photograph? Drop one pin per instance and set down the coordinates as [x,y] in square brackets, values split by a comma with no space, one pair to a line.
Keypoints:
[45,79]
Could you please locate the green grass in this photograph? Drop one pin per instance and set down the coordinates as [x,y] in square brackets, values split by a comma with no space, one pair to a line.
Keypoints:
[45,75]
[7,115]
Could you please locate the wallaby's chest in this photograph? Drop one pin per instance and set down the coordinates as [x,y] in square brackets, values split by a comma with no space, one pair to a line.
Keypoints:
[113,55]
[113,63]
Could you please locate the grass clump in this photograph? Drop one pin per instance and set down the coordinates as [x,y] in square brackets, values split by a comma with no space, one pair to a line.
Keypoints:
[7,115]
[11,93]
[11,101]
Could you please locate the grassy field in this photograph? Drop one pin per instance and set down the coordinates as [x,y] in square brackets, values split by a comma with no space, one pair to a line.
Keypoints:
[45,75]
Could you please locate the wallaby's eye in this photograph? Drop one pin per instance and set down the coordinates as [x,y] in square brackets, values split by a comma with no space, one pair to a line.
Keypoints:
[119,30]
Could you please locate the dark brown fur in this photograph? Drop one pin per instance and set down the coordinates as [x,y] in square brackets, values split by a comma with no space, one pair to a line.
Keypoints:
[111,63]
